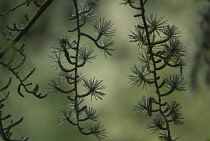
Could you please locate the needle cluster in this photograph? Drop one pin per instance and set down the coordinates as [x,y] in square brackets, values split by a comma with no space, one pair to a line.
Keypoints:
[162,48]
[69,56]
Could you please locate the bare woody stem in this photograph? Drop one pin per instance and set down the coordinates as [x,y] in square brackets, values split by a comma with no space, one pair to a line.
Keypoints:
[27,2]
[26,27]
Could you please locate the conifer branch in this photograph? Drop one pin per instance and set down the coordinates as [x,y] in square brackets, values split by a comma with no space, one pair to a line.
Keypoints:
[9,52]
[76,56]
[152,33]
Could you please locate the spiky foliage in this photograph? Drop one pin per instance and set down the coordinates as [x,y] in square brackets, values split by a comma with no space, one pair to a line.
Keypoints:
[175,82]
[69,56]
[162,48]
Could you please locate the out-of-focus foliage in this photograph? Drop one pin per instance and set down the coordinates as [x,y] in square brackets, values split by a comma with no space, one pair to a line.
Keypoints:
[202,53]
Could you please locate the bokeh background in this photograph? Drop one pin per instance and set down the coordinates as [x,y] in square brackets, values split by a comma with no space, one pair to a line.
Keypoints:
[116,109]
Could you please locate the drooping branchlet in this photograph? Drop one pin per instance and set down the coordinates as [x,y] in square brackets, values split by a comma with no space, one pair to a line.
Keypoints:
[162,48]
[70,52]
[12,59]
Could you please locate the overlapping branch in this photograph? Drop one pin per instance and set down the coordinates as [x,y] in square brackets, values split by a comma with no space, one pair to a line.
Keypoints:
[12,59]
[23,30]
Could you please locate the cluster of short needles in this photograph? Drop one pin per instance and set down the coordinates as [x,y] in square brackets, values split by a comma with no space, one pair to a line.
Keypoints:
[162,49]
[69,57]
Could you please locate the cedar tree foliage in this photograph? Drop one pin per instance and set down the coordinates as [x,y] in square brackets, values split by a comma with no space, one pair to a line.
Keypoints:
[69,56]
[65,51]
[161,48]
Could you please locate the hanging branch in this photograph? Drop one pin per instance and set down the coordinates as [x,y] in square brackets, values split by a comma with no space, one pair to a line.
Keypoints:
[5,128]
[9,53]
[162,48]
[69,57]
[22,81]
[9,46]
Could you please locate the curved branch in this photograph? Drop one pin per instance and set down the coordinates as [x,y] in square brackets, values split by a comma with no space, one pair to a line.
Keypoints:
[76,28]
[83,12]
[7,85]
[133,6]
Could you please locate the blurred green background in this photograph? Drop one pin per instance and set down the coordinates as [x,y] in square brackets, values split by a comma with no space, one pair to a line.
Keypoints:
[116,109]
